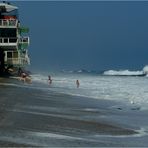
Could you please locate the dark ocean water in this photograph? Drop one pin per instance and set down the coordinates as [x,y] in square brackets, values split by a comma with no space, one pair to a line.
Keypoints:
[38,115]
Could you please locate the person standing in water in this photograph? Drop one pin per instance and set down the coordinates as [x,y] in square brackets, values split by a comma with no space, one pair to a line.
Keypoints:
[49,79]
[77,83]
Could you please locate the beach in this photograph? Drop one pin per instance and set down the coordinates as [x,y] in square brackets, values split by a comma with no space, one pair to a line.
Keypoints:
[77,78]
[31,116]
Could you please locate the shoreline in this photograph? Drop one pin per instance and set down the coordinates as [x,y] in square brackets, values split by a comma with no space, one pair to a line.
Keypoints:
[87,121]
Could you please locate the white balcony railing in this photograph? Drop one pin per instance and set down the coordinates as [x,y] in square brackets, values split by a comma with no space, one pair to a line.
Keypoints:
[12,41]
[17,61]
[24,40]
[8,23]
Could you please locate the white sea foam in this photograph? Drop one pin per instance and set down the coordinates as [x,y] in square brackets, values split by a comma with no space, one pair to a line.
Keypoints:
[145,69]
[141,132]
[123,72]
[127,72]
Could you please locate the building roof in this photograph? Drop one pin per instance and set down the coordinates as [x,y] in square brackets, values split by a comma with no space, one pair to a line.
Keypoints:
[4,7]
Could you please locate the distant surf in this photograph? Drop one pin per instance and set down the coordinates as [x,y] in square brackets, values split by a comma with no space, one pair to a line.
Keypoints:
[111,72]
[143,72]
[80,71]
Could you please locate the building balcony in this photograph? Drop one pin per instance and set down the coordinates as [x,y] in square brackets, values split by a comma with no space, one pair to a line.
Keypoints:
[17,61]
[8,42]
[13,42]
[8,23]
[17,58]
[24,40]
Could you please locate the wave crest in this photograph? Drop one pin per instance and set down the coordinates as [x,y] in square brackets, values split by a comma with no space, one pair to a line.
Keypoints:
[127,72]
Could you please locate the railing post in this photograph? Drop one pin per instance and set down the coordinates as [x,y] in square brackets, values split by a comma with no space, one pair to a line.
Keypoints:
[8,22]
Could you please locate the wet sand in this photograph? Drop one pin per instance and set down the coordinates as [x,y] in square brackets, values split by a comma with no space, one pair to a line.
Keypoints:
[34,117]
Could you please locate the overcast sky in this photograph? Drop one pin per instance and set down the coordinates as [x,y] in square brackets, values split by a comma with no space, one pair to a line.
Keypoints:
[86,35]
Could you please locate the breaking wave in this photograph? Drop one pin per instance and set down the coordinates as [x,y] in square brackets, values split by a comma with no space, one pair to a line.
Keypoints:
[143,72]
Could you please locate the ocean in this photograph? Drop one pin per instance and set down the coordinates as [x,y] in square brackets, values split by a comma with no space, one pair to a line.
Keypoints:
[107,109]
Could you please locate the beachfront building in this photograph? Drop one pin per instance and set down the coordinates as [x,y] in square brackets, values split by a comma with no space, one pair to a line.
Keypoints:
[14,40]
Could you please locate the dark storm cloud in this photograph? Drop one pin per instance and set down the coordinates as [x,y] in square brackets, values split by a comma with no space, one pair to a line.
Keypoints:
[91,35]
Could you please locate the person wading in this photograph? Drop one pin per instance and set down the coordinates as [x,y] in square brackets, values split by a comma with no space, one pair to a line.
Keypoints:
[49,79]
[77,83]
